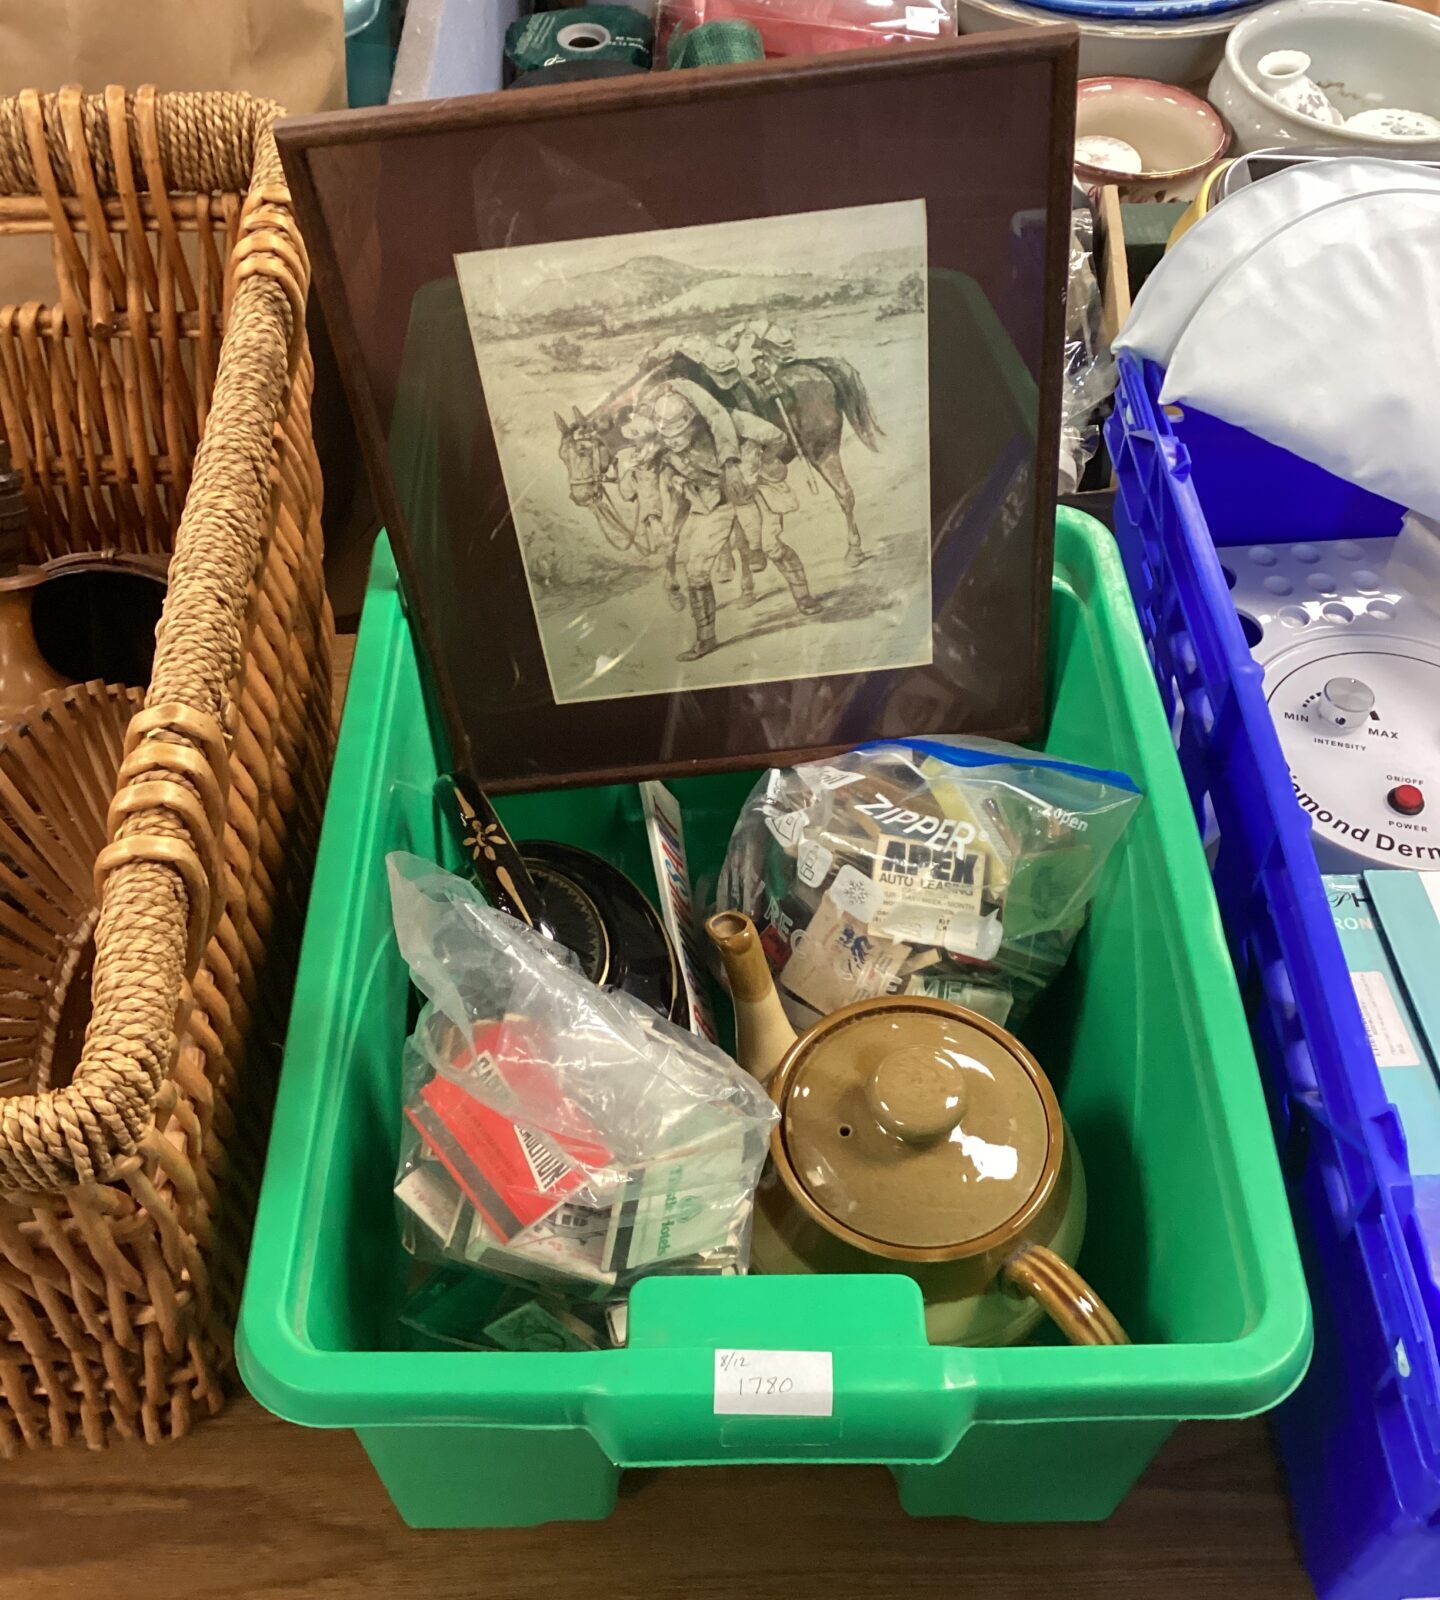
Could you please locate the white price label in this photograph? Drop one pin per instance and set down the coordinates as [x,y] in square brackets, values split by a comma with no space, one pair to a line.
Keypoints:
[960,932]
[852,891]
[774,1383]
[1389,1037]
[787,826]
[922,19]
[427,1191]
[812,862]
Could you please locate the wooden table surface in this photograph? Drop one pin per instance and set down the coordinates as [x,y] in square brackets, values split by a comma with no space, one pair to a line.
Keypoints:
[248,1508]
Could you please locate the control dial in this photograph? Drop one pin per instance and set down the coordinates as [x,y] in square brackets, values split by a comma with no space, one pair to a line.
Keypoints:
[1357,722]
[1345,703]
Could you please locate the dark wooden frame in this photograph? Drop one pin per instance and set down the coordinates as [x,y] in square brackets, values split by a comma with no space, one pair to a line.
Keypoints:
[300,137]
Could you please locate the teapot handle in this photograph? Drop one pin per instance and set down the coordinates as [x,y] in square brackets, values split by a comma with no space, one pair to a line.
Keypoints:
[1081,1315]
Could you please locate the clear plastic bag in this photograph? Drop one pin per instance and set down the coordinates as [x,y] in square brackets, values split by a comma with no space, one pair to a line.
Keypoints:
[1090,374]
[815,27]
[958,869]
[453,1308]
[558,1135]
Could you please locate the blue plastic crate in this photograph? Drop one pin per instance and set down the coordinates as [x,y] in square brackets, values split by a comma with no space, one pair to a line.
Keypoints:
[1361,1436]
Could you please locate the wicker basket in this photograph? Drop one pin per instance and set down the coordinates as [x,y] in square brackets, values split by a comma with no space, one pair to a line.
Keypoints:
[161,402]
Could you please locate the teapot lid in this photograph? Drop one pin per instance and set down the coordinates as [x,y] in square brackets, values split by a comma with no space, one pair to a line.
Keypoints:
[916,1129]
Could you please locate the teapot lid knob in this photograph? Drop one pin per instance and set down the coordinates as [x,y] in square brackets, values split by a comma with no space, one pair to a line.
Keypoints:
[916,1094]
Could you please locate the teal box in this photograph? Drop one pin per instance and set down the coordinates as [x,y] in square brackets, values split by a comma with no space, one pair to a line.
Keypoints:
[1389,927]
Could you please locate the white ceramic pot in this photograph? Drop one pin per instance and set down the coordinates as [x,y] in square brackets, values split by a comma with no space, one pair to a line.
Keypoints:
[1174,52]
[1365,55]
[1284,75]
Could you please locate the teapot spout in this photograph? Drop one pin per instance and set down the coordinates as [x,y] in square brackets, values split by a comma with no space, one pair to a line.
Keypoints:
[762,1030]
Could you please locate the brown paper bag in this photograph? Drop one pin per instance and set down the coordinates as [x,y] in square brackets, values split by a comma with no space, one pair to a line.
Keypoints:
[292,51]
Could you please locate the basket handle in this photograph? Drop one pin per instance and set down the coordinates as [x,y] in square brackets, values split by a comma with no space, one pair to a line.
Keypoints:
[161,887]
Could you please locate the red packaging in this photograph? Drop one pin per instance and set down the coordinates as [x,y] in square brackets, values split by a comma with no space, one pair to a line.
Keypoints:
[513,1174]
[813,27]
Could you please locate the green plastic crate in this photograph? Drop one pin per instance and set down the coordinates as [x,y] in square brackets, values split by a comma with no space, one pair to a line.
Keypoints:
[1189,1234]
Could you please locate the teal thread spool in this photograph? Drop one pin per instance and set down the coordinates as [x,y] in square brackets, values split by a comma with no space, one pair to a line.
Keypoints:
[721,43]
[584,34]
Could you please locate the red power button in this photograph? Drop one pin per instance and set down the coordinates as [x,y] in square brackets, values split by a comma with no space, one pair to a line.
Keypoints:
[1406,799]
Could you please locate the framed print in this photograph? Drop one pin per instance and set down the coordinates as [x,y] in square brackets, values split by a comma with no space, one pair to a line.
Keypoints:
[714,415]
[711,311]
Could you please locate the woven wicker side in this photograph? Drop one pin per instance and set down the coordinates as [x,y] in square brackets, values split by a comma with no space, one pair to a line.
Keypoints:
[125,1194]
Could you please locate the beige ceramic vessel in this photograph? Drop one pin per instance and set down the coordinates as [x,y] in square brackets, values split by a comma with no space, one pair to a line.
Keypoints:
[916,1136]
[25,674]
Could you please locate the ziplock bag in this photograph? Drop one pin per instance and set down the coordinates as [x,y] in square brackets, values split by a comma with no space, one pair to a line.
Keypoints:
[958,869]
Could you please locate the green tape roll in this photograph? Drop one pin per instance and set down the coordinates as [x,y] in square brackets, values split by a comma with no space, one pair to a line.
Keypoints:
[716,44]
[585,33]
[574,72]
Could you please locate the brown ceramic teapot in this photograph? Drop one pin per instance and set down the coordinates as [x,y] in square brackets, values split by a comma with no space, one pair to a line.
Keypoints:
[916,1136]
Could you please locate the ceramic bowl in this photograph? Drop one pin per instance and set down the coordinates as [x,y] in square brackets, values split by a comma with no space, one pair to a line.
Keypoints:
[1365,55]
[1127,11]
[1179,51]
[1176,136]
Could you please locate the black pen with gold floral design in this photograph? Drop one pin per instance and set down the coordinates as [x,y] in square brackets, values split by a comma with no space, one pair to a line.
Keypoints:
[492,855]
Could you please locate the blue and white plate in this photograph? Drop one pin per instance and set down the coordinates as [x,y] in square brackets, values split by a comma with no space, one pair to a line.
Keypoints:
[1141,10]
